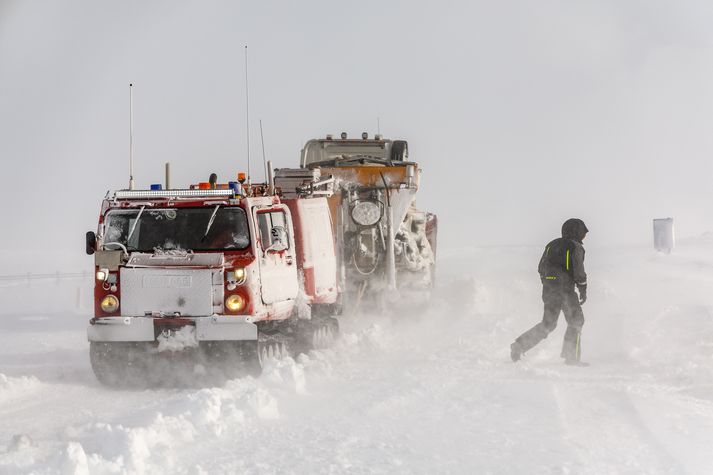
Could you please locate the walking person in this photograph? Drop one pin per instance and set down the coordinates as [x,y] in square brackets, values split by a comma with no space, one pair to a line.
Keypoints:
[561,270]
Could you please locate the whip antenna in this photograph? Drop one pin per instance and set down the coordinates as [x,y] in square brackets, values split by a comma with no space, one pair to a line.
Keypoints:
[247,110]
[131,136]
[262,141]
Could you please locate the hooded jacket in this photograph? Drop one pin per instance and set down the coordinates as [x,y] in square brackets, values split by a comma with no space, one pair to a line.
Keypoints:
[563,258]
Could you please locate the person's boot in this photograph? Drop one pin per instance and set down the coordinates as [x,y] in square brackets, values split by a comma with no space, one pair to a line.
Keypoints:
[515,351]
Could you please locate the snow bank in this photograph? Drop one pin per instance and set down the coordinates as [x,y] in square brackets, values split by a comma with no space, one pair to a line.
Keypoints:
[158,440]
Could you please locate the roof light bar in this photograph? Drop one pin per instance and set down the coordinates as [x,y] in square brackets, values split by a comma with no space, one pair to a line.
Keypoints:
[144,194]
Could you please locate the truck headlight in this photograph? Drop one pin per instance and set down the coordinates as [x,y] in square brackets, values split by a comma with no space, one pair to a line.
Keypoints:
[366,213]
[102,274]
[110,303]
[235,303]
[236,276]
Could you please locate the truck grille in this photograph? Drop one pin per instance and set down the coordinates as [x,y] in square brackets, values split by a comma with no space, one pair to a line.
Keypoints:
[188,292]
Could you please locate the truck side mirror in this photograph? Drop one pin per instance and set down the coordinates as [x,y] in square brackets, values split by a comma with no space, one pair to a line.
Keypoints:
[278,236]
[91,242]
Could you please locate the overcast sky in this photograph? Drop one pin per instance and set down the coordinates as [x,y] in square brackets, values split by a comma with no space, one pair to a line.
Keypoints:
[520,113]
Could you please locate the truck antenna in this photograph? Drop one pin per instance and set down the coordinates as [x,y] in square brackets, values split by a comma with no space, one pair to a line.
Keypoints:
[247,110]
[262,140]
[378,125]
[131,136]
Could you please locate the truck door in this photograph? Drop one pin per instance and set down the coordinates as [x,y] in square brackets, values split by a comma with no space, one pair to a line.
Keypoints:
[276,249]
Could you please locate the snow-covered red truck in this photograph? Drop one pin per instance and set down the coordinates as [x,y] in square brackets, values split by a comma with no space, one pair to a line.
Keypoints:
[229,274]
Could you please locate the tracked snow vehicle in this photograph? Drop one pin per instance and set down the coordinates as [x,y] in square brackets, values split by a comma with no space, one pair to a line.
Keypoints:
[217,274]
[385,244]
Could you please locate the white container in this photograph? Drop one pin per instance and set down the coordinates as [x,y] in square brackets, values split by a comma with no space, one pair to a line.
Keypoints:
[664,235]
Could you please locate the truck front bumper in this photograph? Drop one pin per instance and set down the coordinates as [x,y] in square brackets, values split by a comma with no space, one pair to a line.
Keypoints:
[212,328]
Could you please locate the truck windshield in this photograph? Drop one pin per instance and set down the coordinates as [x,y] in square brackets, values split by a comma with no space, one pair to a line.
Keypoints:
[320,151]
[178,229]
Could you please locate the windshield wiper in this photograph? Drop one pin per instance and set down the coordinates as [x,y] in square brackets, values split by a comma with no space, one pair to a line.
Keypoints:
[133,226]
[210,223]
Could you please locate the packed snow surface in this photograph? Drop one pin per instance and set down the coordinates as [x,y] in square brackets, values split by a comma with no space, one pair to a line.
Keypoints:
[419,390]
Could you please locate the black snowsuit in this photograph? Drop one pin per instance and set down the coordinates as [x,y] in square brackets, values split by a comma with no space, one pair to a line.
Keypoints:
[561,268]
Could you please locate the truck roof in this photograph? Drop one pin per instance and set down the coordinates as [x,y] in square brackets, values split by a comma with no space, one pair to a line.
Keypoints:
[181,198]
[171,194]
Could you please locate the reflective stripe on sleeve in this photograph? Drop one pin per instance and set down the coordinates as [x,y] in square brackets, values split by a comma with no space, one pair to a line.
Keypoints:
[567,260]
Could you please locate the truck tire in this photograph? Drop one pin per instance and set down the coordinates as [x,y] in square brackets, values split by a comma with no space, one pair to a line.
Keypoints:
[231,359]
[325,331]
[118,364]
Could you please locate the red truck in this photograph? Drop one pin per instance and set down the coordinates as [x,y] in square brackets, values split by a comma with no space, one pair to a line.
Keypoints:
[230,274]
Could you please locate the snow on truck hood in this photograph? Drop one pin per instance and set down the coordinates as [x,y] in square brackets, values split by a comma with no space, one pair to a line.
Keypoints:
[165,259]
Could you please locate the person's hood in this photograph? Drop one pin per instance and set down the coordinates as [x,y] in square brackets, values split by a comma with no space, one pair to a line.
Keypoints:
[574,228]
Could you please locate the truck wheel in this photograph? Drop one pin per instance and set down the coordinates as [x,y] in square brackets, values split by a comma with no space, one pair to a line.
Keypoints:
[328,309]
[117,364]
[271,350]
[231,359]
[324,332]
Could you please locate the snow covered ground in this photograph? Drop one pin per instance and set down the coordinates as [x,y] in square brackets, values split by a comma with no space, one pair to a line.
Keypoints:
[427,391]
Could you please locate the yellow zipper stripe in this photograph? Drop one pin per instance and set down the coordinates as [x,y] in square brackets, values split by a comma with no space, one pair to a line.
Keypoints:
[567,260]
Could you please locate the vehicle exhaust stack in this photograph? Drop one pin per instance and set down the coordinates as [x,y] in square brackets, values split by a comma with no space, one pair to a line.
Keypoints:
[410,172]
[270,178]
[168,175]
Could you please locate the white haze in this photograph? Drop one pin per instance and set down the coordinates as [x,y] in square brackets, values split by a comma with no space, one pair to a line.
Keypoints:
[520,113]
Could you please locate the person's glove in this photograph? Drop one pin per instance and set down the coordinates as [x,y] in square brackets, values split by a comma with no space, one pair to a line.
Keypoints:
[582,293]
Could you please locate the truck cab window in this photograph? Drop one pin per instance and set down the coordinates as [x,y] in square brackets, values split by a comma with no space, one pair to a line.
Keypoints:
[267,221]
[178,228]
